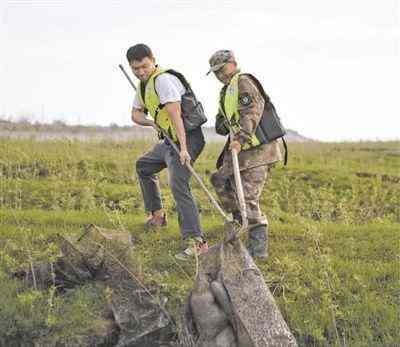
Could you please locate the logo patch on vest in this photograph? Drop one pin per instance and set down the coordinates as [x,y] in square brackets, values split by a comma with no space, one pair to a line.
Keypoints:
[245,99]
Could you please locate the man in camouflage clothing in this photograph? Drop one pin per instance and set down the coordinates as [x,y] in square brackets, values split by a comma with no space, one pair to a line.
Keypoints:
[241,109]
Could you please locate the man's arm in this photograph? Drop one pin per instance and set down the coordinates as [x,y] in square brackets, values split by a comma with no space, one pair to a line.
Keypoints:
[251,107]
[174,112]
[138,113]
[139,117]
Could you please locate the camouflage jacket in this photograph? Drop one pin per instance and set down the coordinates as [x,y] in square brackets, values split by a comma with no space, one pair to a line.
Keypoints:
[251,106]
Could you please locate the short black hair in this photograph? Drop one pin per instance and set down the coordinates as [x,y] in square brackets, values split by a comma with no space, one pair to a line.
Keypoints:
[139,52]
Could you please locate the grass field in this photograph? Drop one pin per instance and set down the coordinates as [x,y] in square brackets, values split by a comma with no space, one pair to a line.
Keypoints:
[334,213]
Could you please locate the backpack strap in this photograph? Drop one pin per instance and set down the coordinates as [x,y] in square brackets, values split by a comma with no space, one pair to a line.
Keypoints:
[182,79]
[142,91]
[286,150]
[222,98]
[259,87]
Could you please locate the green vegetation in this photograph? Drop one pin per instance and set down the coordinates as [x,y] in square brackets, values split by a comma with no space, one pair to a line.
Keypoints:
[334,237]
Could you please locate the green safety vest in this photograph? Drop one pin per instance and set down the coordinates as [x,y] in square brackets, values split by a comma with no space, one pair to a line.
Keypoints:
[152,104]
[229,108]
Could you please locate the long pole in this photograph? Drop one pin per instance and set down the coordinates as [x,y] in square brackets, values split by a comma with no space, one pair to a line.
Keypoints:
[188,165]
[239,189]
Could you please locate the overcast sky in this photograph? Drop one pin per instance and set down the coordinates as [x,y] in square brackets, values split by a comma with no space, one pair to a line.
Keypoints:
[332,68]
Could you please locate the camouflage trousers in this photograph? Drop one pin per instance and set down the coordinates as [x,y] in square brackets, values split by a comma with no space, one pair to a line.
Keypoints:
[253,180]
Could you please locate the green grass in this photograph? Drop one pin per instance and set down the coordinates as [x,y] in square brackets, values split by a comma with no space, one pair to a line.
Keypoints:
[334,237]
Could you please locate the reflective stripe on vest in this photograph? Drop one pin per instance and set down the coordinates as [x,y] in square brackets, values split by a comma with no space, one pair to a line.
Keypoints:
[230,101]
[152,104]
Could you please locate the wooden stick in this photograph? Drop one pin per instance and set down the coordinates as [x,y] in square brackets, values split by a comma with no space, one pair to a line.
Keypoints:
[239,190]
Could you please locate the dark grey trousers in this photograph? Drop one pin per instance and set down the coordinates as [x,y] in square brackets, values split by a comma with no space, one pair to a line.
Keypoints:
[164,156]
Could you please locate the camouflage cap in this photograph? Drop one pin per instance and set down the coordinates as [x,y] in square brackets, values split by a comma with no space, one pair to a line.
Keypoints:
[219,59]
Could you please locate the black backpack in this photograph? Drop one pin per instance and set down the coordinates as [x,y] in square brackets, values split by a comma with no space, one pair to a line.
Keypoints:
[192,110]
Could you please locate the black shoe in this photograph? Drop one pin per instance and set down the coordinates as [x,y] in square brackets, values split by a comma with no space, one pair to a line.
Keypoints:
[257,242]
